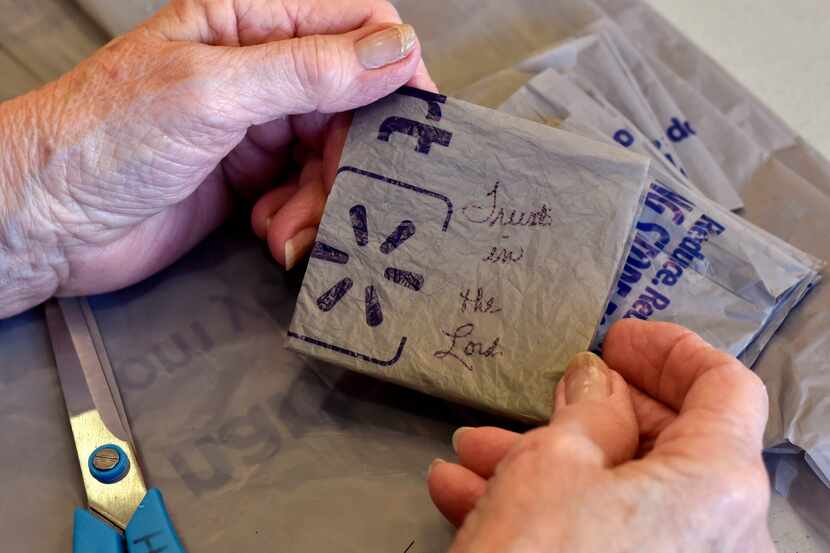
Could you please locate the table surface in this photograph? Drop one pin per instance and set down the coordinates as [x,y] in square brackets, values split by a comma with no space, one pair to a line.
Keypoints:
[778,50]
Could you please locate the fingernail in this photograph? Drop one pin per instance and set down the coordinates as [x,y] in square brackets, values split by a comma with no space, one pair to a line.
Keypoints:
[386,46]
[586,378]
[457,436]
[297,246]
[433,464]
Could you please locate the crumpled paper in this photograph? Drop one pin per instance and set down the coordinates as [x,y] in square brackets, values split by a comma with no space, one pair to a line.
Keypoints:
[466,253]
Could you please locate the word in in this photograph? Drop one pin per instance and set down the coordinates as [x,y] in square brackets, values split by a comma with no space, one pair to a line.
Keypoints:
[500,254]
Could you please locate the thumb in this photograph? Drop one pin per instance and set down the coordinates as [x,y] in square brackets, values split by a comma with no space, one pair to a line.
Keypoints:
[325,73]
[594,419]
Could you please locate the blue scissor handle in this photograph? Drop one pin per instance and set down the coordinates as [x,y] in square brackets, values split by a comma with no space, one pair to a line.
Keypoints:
[149,531]
[93,535]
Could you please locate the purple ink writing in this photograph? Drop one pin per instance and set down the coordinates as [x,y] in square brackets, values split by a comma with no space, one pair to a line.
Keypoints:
[492,213]
[477,302]
[464,349]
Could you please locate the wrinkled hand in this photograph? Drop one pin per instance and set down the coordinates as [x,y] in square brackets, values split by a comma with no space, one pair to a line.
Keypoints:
[126,162]
[670,461]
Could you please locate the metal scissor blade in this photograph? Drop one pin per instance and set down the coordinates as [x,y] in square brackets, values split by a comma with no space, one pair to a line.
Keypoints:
[96,413]
[78,343]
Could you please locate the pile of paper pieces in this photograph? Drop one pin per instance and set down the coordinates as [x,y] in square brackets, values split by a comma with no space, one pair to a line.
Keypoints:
[469,253]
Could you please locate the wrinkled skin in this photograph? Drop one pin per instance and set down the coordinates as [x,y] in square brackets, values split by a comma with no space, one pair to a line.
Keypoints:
[670,461]
[125,163]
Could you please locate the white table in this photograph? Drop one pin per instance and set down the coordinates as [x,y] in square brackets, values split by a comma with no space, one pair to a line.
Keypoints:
[779,50]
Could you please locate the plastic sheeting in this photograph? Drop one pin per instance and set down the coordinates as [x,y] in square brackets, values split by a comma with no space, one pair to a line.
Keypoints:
[471,263]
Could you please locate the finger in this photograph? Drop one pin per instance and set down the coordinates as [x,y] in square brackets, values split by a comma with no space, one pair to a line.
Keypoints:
[594,418]
[454,490]
[227,24]
[336,135]
[326,73]
[422,79]
[269,204]
[310,129]
[251,169]
[678,368]
[652,418]
[481,449]
[307,135]
[292,229]
[661,359]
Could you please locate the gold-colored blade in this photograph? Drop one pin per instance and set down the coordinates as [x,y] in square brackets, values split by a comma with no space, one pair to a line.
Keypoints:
[93,403]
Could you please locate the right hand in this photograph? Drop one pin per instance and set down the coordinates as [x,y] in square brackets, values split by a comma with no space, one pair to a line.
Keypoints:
[118,168]
[662,453]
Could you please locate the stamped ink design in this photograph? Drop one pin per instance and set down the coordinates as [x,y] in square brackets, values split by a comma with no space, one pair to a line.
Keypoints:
[360,225]
[429,212]
[408,280]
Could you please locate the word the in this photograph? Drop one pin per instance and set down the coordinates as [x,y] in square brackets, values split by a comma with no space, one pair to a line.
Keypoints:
[470,348]
[478,303]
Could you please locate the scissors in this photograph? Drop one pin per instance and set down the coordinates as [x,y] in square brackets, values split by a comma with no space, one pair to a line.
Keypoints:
[123,516]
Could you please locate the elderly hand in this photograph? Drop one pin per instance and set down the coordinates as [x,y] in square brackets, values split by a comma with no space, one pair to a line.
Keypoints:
[670,461]
[115,170]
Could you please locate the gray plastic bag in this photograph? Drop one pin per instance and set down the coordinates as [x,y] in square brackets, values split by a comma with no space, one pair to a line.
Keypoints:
[470,261]
[692,262]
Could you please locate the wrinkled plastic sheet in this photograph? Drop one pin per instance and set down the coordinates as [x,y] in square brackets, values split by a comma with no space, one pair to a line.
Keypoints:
[257,448]
[467,253]
[692,262]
